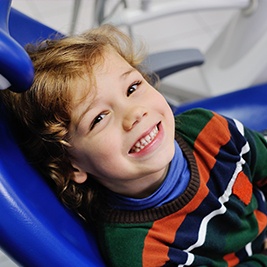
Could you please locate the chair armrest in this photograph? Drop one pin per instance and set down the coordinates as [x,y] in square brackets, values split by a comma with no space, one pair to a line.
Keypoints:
[169,62]
[246,105]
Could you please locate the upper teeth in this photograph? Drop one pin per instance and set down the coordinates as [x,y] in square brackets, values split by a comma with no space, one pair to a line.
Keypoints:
[140,144]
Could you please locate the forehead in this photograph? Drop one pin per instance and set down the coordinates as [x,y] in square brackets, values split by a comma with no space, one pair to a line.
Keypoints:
[112,64]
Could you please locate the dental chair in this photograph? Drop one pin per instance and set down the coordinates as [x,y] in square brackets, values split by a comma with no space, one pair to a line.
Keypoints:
[35,228]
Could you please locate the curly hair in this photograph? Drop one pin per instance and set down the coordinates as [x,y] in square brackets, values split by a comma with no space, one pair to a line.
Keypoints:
[43,112]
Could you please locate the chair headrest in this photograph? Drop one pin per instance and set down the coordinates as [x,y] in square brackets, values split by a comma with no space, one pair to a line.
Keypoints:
[16,68]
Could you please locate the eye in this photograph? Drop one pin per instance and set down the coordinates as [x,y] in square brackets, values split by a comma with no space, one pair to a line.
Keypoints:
[132,88]
[97,119]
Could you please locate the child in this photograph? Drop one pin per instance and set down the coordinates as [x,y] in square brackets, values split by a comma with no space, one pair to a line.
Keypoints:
[159,191]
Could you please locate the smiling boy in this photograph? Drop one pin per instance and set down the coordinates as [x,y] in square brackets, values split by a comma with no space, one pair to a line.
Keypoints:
[159,190]
[129,129]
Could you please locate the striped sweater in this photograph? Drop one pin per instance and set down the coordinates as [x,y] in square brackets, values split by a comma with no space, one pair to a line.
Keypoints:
[219,220]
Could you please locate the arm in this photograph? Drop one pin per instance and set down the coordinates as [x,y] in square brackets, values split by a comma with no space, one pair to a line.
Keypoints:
[258,158]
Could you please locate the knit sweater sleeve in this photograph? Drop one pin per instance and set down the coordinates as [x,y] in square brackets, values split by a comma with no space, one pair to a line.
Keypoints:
[257,158]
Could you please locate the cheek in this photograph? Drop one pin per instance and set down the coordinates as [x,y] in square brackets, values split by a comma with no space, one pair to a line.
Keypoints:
[162,105]
[157,97]
[102,149]
[101,161]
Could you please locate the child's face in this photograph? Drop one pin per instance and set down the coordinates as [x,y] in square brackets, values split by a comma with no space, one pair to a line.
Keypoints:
[124,136]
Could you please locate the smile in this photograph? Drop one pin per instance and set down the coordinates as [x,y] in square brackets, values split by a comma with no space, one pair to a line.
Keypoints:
[144,141]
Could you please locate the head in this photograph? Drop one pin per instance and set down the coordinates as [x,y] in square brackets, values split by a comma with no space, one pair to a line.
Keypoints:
[92,120]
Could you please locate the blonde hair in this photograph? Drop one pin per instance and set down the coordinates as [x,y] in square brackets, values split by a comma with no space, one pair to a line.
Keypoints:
[43,112]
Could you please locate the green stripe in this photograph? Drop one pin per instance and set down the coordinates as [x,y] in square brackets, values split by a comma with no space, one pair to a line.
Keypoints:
[126,240]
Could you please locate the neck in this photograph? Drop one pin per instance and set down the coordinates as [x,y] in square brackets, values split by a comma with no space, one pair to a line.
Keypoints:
[142,187]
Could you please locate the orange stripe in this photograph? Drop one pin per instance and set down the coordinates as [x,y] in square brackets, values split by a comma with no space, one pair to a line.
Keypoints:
[243,188]
[261,219]
[231,259]
[162,233]
[215,132]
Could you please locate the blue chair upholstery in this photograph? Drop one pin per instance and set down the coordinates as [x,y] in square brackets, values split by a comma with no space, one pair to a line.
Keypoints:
[35,228]
[247,105]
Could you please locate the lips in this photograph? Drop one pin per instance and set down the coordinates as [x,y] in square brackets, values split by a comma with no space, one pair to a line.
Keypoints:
[144,141]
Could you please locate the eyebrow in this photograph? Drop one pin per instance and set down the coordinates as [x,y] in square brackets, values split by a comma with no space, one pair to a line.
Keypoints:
[128,72]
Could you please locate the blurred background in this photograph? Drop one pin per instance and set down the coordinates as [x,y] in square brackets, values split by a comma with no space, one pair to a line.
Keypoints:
[173,24]
[194,29]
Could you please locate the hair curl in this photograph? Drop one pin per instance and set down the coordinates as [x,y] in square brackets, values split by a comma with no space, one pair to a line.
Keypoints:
[43,112]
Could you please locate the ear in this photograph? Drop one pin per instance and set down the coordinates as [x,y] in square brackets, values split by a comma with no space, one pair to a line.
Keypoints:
[79,176]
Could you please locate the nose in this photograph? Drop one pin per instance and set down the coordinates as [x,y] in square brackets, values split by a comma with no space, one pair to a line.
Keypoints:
[133,116]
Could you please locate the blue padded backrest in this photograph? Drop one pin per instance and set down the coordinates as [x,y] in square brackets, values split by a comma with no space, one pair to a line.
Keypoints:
[29,30]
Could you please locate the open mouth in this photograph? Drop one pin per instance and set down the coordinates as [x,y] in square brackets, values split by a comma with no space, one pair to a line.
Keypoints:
[144,141]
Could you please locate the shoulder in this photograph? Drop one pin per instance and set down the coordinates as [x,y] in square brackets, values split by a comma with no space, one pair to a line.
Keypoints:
[206,126]
[199,116]
[195,120]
